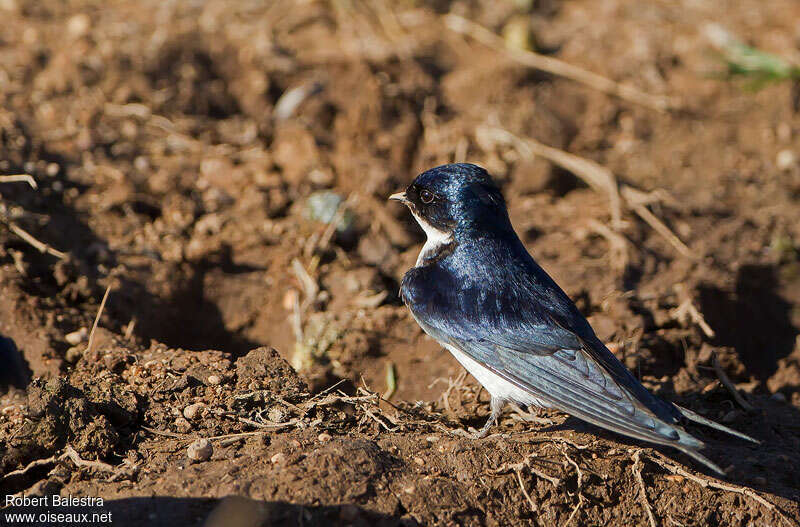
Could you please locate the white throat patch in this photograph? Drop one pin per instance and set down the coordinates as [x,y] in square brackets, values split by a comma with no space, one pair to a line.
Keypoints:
[436,239]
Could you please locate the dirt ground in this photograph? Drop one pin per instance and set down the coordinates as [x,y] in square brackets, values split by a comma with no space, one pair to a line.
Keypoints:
[190,156]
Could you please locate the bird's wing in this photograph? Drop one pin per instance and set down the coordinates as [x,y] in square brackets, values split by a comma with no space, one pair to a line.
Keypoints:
[530,341]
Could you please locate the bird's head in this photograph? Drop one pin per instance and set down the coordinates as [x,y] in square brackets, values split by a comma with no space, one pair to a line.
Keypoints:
[454,199]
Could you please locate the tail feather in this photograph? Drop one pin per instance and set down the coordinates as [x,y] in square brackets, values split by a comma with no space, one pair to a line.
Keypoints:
[691,452]
[697,418]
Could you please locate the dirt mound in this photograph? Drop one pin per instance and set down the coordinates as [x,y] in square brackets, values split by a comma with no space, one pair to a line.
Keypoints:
[352,459]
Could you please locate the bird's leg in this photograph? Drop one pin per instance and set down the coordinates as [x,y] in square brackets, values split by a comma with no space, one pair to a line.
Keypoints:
[496,406]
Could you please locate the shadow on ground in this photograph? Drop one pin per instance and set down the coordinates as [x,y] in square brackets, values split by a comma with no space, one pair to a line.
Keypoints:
[754,319]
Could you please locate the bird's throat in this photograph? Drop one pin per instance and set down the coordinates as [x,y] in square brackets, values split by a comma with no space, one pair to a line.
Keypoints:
[438,245]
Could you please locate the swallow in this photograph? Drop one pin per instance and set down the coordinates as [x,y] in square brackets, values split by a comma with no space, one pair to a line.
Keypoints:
[478,292]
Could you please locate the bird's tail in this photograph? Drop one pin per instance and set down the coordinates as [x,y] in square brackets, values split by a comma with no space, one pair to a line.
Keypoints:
[704,460]
[690,445]
[697,418]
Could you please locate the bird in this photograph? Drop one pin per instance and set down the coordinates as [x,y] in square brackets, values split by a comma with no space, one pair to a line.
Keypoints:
[479,293]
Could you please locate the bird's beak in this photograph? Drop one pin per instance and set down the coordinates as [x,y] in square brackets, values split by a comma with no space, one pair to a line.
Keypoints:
[399,196]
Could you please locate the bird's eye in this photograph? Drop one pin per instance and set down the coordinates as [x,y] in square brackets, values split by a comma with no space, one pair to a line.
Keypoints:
[426,196]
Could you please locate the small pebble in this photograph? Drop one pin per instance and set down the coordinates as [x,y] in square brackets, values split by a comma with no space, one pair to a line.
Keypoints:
[73,354]
[324,438]
[214,380]
[76,337]
[200,450]
[321,178]
[79,25]
[278,458]
[182,425]
[52,169]
[193,410]
[419,461]
[785,160]
[432,439]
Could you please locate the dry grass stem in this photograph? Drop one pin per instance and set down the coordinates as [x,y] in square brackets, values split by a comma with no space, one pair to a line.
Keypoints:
[32,241]
[688,311]
[726,381]
[637,472]
[24,178]
[33,464]
[577,468]
[617,243]
[596,176]
[532,503]
[558,67]
[706,483]
[575,510]
[657,225]
[526,464]
[73,455]
[90,344]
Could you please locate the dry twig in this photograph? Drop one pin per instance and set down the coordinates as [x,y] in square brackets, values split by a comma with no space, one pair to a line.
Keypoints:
[310,286]
[577,467]
[637,472]
[526,464]
[575,510]
[165,433]
[705,483]
[726,381]
[450,385]
[596,176]
[33,464]
[73,455]
[19,231]
[24,178]
[617,243]
[532,503]
[90,345]
[688,311]
[32,241]
[640,208]
[558,67]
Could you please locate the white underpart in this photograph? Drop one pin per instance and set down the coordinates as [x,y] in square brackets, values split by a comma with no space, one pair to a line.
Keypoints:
[436,238]
[494,384]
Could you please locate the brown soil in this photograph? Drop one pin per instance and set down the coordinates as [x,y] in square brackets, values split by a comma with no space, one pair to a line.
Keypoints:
[169,170]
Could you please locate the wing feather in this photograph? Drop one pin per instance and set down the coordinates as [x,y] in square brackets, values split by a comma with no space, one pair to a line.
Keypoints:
[561,362]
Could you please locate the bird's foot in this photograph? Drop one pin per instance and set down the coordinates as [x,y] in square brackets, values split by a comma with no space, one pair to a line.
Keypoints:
[497,408]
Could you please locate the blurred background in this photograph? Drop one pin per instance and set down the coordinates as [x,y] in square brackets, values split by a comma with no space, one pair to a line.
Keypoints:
[224,167]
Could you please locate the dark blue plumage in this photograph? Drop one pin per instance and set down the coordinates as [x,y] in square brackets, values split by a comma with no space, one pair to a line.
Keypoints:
[478,292]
